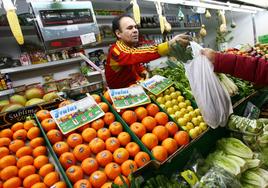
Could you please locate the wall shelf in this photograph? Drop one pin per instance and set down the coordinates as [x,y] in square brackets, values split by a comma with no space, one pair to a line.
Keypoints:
[6,92]
[174,29]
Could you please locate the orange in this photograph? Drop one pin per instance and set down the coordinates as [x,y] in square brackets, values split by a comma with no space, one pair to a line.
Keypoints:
[129,117]
[141,158]
[12,182]
[107,185]
[98,178]
[106,95]
[40,150]
[149,140]
[124,138]
[172,128]
[152,109]
[81,152]
[39,141]
[104,157]
[47,168]
[88,134]
[67,159]
[161,118]
[39,185]
[74,140]
[24,161]
[108,118]
[97,124]
[48,124]
[89,165]
[4,142]
[25,150]
[161,132]
[96,97]
[118,180]
[138,128]
[104,133]
[112,144]
[149,123]
[33,133]
[128,167]
[65,103]
[40,161]
[20,135]
[104,106]
[112,170]
[120,155]
[8,160]
[115,128]
[60,184]
[81,129]
[74,173]
[3,152]
[29,123]
[160,153]
[54,136]
[51,178]
[6,133]
[132,148]
[170,144]
[97,145]
[43,114]
[83,183]
[17,126]
[29,181]
[141,113]
[26,171]
[60,147]
[8,172]
[15,145]
[182,138]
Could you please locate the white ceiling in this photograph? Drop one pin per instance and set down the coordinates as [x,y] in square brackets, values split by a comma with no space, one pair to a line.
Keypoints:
[261,3]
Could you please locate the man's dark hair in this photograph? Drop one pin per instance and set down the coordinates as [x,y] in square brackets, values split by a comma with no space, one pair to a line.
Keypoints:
[116,22]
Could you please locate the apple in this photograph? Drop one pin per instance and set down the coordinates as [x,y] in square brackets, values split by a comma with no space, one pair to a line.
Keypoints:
[176,108]
[188,102]
[178,93]
[168,104]
[189,108]
[160,100]
[174,95]
[167,97]
[170,110]
[180,98]
[200,118]
[182,121]
[171,89]
[174,101]
[182,105]
[193,133]
[203,126]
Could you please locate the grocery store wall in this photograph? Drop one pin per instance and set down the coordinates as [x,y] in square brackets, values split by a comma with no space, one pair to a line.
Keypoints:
[261,23]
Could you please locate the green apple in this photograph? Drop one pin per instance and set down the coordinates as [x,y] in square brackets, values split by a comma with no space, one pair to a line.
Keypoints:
[171,89]
[190,125]
[178,93]
[170,110]
[174,101]
[200,118]
[162,106]
[203,126]
[160,100]
[174,95]
[176,108]
[195,121]
[182,121]
[188,102]
[167,92]
[168,104]
[192,113]
[197,112]
[167,97]
[183,111]
[182,105]
[193,133]
[180,98]
[178,114]
[173,116]
[189,108]
[198,129]
[187,117]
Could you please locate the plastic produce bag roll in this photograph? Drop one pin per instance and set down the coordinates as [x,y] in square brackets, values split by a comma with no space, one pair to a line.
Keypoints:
[214,102]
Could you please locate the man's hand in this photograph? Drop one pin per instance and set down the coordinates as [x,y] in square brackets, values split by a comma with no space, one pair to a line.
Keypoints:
[209,53]
[182,39]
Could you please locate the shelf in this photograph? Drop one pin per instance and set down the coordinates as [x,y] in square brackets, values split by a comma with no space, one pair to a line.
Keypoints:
[174,29]
[109,17]
[39,66]
[26,30]
[6,92]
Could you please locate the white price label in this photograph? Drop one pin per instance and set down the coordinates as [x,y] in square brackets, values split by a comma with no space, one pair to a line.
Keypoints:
[88,38]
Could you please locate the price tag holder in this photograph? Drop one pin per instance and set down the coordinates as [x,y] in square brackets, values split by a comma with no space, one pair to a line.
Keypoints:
[88,38]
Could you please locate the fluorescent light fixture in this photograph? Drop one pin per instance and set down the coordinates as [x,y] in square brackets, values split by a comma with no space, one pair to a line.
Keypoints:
[210,4]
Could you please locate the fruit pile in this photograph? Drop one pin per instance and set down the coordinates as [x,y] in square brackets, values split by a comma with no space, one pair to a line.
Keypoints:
[96,153]
[23,158]
[181,110]
[31,96]
[156,131]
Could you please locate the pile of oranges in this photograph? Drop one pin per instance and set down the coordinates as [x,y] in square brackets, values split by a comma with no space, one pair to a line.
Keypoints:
[156,131]
[95,154]
[23,158]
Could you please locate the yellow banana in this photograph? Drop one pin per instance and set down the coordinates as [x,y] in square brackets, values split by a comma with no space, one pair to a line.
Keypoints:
[15,26]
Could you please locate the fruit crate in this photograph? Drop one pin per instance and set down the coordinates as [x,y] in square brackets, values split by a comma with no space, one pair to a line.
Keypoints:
[150,165]
[32,153]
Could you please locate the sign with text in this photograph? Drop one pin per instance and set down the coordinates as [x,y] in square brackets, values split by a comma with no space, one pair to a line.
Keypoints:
[129,97]
[157,84]
[77,114]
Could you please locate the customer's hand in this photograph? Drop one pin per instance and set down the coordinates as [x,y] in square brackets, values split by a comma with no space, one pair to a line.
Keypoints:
[209,53]
[182,39]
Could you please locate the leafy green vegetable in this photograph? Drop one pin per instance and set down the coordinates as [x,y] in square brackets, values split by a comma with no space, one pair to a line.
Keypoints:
[251,177]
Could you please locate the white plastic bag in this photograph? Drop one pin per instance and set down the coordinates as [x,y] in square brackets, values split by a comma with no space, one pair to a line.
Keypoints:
[212,100]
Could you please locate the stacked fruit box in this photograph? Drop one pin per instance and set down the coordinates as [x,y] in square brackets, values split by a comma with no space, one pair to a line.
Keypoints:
[98,152]
[24,158]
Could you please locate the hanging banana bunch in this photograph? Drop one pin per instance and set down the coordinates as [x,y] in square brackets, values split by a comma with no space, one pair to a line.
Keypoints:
[164,25]
[207,15]
[136,11]
[13,21]
[223,26]
[203,31]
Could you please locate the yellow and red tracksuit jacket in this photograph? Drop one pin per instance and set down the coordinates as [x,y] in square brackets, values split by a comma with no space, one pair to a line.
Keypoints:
[124,64]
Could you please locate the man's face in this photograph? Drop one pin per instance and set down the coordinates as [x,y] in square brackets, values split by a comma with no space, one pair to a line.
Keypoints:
[128,32]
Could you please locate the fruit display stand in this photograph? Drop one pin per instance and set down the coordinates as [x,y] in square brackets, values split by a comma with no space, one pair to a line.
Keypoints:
[26,159]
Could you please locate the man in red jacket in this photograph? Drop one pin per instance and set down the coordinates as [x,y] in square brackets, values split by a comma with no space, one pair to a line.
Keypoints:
[248,68]
[125,60]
